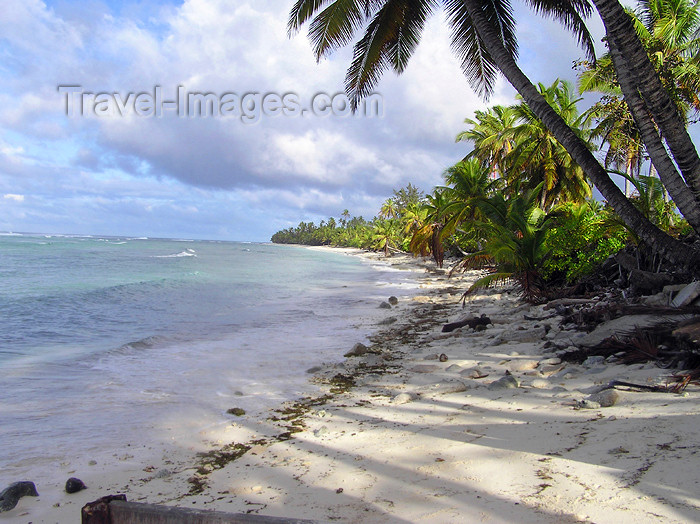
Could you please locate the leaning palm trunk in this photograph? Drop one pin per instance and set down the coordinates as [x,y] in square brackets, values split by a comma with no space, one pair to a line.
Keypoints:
[437,247]
[683,196]
[618,26]
[657,240]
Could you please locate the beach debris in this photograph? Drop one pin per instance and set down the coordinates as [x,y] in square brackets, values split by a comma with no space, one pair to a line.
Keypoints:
[387,321]
[393,300]
[98,510]
[626,327]
[689,331]
[506,382]
[444,388]
[432,356]
[404,398]
[595,360]
[522,365]
[442,357]
[474,373]
[550,369]
[472,322]
[687,295]
[357,350]
[661,299]
[323,430]
[385,305]
[238,412]
[606,398]
[681,381]
[163,473]
[11,494]
[73,485]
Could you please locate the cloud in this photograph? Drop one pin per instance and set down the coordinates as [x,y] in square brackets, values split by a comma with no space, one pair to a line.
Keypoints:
[12,196]
[128,174]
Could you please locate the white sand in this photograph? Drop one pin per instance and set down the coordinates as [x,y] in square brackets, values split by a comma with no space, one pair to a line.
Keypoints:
[479,455]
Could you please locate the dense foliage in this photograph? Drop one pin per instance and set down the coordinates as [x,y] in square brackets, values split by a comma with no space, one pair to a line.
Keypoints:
[518,205]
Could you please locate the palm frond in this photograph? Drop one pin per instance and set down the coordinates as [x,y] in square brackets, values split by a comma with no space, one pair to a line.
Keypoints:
[302,12]
[336,25]
[389,41]
[477,64]
[571,15]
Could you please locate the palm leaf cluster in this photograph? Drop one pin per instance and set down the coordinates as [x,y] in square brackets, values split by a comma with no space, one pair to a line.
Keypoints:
[391,31]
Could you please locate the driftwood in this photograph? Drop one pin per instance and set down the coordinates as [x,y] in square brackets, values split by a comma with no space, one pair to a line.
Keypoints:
[568,302]
[116,510]
[657,389]
[626,261]
[539,319]
[483,320]
[690,331]
[647,281]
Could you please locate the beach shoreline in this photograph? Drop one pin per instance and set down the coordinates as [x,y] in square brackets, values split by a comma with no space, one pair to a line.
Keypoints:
[417,429]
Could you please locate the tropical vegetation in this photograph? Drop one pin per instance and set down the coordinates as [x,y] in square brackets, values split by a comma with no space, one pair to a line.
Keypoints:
[484,39]
[520,204]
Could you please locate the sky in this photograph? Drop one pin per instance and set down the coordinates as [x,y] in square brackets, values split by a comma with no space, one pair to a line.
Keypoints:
[97,137]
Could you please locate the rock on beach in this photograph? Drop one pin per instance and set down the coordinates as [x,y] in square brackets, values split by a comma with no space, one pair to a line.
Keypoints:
[9,497]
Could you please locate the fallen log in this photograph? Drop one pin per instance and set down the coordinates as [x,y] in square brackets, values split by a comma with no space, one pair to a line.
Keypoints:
[648,282]
[116,510]
[483,320]
[568,302]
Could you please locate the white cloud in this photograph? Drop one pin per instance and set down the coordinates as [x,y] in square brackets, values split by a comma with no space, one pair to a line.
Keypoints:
[13,196]
[197,173]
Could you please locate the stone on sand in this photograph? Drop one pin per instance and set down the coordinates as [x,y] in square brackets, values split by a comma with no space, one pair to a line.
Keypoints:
[357,350]
[404,398]
[522,365]
[687,295]
[507,382]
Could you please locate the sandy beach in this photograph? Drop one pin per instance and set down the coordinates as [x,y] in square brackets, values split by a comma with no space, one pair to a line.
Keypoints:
[482,425]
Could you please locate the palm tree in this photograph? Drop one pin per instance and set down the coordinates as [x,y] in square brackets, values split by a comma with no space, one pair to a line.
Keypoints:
[615,128]
[540,157]
[413,220]
[484,39]
[667,29]
[490,133]
[389,209]
[384,235]
[468,183]
[429,238]
[654,111]
[515,246]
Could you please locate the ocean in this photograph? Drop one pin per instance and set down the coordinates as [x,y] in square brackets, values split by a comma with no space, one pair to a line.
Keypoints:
[109,340]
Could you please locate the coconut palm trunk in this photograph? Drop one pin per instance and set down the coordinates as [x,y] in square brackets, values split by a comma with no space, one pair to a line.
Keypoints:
[619,28]
[683,196]
[659,241]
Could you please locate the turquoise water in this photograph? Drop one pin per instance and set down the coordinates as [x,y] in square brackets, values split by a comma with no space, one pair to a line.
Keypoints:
[125,336]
